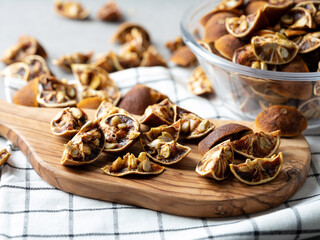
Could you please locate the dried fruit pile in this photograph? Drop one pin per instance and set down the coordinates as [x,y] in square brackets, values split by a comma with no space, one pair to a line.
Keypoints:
[115,130]
[275,35]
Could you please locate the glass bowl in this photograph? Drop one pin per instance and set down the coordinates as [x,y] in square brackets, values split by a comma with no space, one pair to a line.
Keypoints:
[246,91]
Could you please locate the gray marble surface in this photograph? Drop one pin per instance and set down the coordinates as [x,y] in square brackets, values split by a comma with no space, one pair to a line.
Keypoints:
[63,36]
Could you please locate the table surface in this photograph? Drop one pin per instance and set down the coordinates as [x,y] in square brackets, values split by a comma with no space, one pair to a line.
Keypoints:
[63,36]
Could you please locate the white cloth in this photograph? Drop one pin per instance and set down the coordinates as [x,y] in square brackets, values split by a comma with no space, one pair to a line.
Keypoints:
[31,208]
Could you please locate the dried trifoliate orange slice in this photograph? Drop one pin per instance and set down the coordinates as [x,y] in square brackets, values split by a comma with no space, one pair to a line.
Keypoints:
[227,44]
[110,12]
[85,147]
[292,89]
[17,70]
[138,98]
[295,65]
[311,108]
[199,83]
[215,27]
[107,108]
[121,131]
[246,25]
[4,156]
[297,18]
[309,42]
[158,114]
[129,164]
[125,30]
[37,66]
[192,126]
[275,9]
[183,57]
[274,48]
[164,151]
[151,57]
[215,163]
[27,96]
[245,56]
[55,93]
[265,91]
[284,118]
[228,131]
[68,122]
[96,78]
[257,145]
[65,61]
[175,44]
[316,89]
[253,6]
[161,145]
[258,171]
[90,102]
[26,46]
[71,9]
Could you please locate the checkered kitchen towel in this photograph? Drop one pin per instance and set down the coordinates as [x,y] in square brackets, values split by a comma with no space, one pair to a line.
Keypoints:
[31,208]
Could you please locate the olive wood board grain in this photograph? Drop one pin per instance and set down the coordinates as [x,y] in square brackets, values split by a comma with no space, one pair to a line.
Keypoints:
[178,190]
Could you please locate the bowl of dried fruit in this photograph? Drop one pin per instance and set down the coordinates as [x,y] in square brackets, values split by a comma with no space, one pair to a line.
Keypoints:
[259,53]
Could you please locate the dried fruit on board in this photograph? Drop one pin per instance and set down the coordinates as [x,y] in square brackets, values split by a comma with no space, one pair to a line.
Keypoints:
[129,164]
[259,170]
[257,145]
[192,126]
[230,131]
[158,114]
[138,98]
[68,122]
[65,61]
[85,147]
[163,148]
[215,162]
[121,131]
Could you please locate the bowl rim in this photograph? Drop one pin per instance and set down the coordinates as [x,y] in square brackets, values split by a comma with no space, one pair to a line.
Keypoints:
[227,65]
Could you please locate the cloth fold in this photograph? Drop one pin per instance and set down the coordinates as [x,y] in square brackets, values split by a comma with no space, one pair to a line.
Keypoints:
[31,208]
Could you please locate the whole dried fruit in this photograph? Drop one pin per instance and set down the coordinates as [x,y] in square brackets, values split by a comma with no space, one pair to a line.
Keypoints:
[284,118]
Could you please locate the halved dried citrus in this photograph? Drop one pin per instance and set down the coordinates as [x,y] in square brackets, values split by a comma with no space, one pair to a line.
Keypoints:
[246,24]
[284,118]
[296,65]
[17,70]
[4,156]
[274,48]
[293,89]
[228,131]
[215,27]
[257,145]
[245,56]
[227,44]
[258,171]
[311,108]
[265,91]
[183,56]
[297,18]
[253,6]
[199,83]
[309,42]
[316,88]
[215,163]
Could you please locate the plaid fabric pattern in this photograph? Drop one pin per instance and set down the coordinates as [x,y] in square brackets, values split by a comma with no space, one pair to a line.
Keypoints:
[31,208]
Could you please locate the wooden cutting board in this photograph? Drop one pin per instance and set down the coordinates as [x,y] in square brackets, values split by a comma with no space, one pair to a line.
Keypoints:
[178,190]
